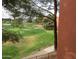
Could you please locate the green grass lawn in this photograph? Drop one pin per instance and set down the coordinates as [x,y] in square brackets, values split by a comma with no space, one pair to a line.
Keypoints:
[34,39]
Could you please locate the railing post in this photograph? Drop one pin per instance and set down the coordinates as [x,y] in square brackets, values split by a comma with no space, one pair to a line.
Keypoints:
[36,57]
[48,56]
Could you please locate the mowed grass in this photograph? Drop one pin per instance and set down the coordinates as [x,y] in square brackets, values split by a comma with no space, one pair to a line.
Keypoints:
[34,39]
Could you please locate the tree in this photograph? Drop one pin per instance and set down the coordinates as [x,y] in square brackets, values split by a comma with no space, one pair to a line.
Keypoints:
[26,7]
[55,24]
[31,9]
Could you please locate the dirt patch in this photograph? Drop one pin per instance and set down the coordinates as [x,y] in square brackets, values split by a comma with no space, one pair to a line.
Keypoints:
[30,40]
[39,26]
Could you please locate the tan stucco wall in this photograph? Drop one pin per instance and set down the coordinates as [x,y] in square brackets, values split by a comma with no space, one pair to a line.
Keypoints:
[66,30]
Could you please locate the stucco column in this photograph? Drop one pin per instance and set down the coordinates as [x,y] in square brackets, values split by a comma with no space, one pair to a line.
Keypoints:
[67,30]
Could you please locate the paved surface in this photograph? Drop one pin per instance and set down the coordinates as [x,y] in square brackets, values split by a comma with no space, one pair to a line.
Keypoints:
[47,53]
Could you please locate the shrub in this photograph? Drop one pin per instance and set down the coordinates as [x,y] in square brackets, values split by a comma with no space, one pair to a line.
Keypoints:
[48,25]
[10,36]
[17,23]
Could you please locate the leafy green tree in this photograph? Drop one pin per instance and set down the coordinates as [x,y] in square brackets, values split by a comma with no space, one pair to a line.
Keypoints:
[26,7]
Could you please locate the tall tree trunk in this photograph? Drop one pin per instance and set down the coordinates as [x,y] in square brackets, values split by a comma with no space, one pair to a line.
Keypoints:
[30,18]
[55,24]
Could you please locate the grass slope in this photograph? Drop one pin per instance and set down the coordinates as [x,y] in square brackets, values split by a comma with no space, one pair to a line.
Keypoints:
[34,39]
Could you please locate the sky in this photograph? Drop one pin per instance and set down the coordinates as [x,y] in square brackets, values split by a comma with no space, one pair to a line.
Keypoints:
[5,13]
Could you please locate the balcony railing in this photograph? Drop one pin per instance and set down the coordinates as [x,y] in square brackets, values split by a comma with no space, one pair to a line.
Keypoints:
[50,55]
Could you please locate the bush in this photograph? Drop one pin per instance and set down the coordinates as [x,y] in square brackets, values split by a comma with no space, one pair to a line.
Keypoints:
[17,23]
[10,36]
[48,25]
